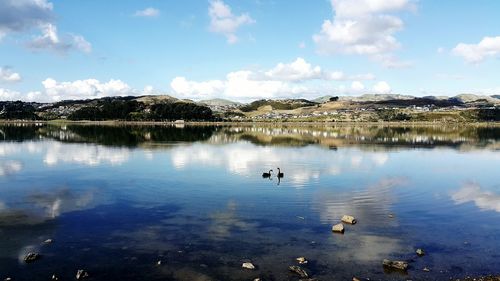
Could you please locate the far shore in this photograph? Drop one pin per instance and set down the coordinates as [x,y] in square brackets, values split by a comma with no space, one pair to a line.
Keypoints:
[247,123]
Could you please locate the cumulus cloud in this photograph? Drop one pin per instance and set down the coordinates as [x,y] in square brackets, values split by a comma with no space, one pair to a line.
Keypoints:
[54,90]
[6,94]
[364,27]
[239,85]
[50,40]
[382,87]
[84,89]
[283,80]
[7,75]
[488,47]
[222,20]
[300,70]
[22,15]
[148,13]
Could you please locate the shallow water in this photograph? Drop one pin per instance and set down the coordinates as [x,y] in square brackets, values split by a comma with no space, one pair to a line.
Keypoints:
[116,200]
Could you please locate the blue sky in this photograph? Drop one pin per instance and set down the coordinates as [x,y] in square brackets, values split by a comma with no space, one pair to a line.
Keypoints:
[243,50]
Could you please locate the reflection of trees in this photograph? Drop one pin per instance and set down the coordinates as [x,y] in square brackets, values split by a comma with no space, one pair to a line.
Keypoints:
[129,136]
[458,136]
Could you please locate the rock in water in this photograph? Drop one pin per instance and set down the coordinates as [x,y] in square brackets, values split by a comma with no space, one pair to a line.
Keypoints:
[48,241]
[426,269]
[338,228]
[301,260]
[31,257]
[401,265]
[298,270]
[420,252]
[248,265]
[348,219]
[81,274]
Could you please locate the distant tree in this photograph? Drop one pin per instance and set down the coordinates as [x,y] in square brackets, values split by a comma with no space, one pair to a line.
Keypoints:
[17,110]
[334,98]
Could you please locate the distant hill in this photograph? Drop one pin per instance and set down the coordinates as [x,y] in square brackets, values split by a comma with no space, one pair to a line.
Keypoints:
[466,98]
[131,108]
[322,99]
[285,104]
[219,102]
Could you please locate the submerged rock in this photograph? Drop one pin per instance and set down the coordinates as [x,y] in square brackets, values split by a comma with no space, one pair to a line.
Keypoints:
[81,274]
[248,265]
[348,219]
[420,252]
[301,260]
[426,269]
[31,257]
[298,270]
[48,241]
[339,228]
[401,265]
[355,279]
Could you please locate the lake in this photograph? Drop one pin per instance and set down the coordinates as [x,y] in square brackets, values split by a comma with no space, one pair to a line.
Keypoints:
[190,202]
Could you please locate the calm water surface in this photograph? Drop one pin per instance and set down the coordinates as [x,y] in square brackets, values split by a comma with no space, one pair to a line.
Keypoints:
[116,200]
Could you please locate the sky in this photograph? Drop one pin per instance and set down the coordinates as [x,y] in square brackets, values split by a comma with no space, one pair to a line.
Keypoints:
[244,50]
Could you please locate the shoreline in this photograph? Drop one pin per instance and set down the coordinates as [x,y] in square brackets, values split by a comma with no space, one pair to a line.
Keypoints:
[246,123]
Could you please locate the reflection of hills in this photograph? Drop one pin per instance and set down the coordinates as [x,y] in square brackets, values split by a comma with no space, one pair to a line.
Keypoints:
[459,136]
[129,136]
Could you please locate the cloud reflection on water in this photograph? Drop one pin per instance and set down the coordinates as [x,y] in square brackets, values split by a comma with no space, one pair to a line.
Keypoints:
[471,192]
[10,167]
[246,159]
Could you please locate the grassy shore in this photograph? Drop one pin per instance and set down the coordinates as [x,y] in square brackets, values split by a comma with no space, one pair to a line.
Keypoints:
[247,123]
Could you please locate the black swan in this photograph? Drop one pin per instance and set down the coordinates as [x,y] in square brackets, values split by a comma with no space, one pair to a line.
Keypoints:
[267,175]
[280,174]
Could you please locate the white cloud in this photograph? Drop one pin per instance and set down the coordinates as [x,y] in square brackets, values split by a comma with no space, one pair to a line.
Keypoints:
[302,45]
[475,53]
[382,87]
[239,85]
[357,86]
[484,200]
[223,21]
[148,12]
[363,27]
[84,89]
[9,95]
[50,40]
[285,80]
[7,75]
[300,70]
[295,71]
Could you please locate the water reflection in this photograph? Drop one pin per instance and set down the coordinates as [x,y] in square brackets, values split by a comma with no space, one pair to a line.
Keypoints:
[118,199]
[463,137]
[10,167]
[471,192]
